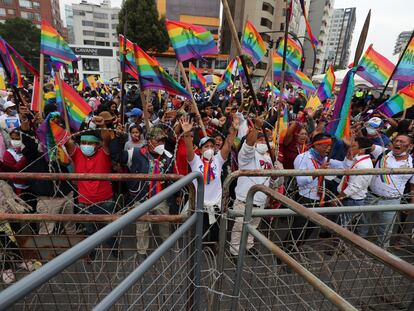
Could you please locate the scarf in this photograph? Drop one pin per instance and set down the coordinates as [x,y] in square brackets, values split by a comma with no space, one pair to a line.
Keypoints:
[154,185]
[208,173]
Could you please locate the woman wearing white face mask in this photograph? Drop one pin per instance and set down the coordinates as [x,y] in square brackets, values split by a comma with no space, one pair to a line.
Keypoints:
[210,165]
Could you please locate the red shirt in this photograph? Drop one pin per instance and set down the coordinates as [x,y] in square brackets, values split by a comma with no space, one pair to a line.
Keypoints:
[181,164]
[97,190]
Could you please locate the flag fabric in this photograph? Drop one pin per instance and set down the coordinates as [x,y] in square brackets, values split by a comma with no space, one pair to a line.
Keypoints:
[55,138]
[405,69]
[227,77]
[91,82]
[21,59]
[290,74]
[196,78]
[252,43]
[130,63]
[77,108]
[52,44]
[212,79]
[2,83]
[313,40]
[240,70]
[401,101]
[283,126]
[375,68]
[11,67]
[293,52]
[313,103]
[190,41]
[35,105]
[340,125]
[304,82]
[327,86]
[276,91]
[153,76]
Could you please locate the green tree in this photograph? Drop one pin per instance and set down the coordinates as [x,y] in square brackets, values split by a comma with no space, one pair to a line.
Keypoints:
[23,36]
[144,27]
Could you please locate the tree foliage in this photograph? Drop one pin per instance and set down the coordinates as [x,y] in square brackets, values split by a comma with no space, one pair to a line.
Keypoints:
[23,36]
[144,26]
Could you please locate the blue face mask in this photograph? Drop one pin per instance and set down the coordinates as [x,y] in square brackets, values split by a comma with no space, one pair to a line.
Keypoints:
[87,150]
[316,155]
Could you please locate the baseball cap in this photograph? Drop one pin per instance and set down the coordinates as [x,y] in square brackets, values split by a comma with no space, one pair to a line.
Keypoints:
[204,140]
[156,133]
[8,104]
[135,112]
[374,123]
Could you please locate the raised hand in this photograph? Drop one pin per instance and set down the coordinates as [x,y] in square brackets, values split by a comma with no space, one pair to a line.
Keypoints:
[236,123]
[186,124]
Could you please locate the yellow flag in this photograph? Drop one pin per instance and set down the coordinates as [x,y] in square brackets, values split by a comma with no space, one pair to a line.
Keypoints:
[313,102]
[80,87]
[92,82]
[2,84]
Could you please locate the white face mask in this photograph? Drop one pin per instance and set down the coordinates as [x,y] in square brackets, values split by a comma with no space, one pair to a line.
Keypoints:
[371,131]
[208,154]
[402,154]
[159,149]
[16,144]
[261,148]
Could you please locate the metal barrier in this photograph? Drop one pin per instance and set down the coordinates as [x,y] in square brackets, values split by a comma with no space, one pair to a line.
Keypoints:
[226,273]
[191,244]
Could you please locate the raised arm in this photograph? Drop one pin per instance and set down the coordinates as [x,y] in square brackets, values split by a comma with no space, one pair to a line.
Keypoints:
[187,126]
[225,150]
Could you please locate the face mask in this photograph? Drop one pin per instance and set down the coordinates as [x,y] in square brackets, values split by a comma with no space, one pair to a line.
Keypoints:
[402,154]
[16,144]
[261,148]
[87,150]
[13,112]
[371,131]
[131,120]
[159,149]
[221,98]
[208,154]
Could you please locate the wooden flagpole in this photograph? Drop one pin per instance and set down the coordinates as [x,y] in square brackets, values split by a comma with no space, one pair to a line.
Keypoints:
[187,84]
[41,78]
[144,107]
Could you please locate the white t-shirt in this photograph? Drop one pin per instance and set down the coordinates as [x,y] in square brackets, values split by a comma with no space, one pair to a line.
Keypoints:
[213,190]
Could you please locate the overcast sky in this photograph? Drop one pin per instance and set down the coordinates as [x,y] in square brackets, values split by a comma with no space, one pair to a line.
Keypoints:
[388,19]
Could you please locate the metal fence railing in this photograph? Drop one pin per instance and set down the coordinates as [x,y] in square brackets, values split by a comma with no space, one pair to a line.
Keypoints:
[80,271]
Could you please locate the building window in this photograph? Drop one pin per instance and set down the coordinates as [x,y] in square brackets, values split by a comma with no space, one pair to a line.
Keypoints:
[261,65]
[267,7]
[88,42]
[282,26]
[101,25]
[79,12]
[10,12]
[36,5]
[100,15]
[100,43]
[31,16]
[88,33]
[220,64]
[114,16]
[25,4]
[87,23]
[2,12]
[102,34]
[90,64]
[265,37]
[116,44]
[114,26]
[266,23]
[7,2]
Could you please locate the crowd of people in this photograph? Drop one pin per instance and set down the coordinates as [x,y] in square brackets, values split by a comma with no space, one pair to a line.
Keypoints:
[239,136]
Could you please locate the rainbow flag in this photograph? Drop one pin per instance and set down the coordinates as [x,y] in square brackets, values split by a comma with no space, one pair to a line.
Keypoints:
[340,125]
[130,64]
[212,79]
[405,69]
[190,41]
[52,44]
[13,69]
[240,70]
[401,101]
[290,74]
[313,40]
[283,126]
[293,52]
[34,106]
[77,108]
[277,91]
[21,59]
[56,137]
[327,86]
[196,78]
[252,43]
[304,82]
[2,83]
[313,103]
[227,77]
[153,76]
[375,68]
[91,82]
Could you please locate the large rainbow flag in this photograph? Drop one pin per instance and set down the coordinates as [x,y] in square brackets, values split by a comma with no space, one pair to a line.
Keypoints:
[190,41]
[340,125]
[405,69]
[76,107]
[314,41]
[153,76]
[130,64]
[401,101]
[14,71]
[227,77]
[290,74]
[52,43]
[196,78]
[327,86]
[293,52]
[304,82]
[252,43]
[240,70]
[374,67]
